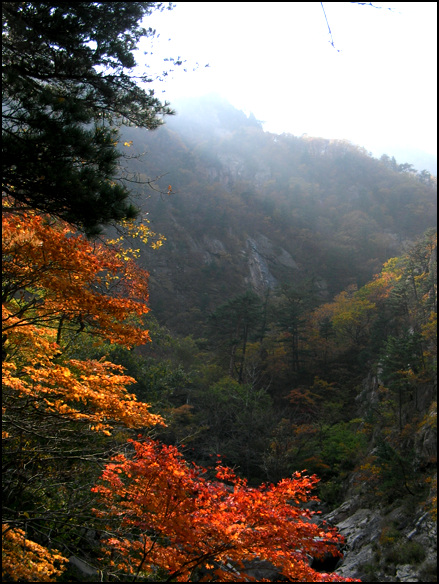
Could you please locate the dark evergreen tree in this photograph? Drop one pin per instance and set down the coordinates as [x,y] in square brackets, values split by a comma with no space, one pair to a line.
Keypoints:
[289,313]
[67,86]
[233,325]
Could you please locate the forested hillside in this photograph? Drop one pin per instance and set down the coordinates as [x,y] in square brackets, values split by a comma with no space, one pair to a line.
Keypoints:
[297,288]
[253,210]
[192,385]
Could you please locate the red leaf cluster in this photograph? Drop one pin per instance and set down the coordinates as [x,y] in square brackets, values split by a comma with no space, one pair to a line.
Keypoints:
[164,513]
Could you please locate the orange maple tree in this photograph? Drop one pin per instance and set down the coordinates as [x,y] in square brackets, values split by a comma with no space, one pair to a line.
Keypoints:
[57,285]
[162,513]
[55,278]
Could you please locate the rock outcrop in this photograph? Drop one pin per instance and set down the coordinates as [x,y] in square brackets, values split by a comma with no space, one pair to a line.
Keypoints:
[261,257]
[386,544]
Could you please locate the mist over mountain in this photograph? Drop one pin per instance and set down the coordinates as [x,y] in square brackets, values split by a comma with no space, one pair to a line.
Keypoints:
[195,114]
[251,210]
[420,159]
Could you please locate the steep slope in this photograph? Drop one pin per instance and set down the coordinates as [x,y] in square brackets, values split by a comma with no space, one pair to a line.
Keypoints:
[339,373]
[251,210]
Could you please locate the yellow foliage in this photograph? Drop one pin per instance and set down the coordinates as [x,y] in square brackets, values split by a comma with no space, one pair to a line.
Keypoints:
[25,560]
[135,231]
[54,278]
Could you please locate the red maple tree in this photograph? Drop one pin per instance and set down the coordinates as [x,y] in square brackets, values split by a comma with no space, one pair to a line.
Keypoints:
[162,513]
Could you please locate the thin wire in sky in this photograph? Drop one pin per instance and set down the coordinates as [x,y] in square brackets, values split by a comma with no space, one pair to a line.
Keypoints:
[329,28]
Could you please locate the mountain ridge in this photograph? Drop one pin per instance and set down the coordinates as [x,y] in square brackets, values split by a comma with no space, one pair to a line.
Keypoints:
[328,205]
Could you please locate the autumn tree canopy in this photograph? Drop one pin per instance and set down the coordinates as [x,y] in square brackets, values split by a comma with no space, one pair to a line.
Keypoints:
[67,83]
[161,513]
[55,287]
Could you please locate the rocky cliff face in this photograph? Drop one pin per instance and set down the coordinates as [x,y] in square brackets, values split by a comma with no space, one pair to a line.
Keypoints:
[197,273]
[389,544]
[393,540]
[261,256]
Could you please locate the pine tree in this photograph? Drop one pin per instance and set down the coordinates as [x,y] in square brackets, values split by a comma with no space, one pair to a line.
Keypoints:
[67,86]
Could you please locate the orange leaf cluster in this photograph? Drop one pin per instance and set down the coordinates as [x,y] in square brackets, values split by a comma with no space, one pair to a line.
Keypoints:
[49,272]
[36,564]
[55,283]
[184,522]
[90,390]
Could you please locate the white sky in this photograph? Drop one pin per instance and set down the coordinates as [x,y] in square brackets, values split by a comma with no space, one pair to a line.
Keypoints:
[275,60]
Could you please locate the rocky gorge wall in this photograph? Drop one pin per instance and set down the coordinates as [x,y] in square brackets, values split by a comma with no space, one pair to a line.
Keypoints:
[395,543]
[392,540]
